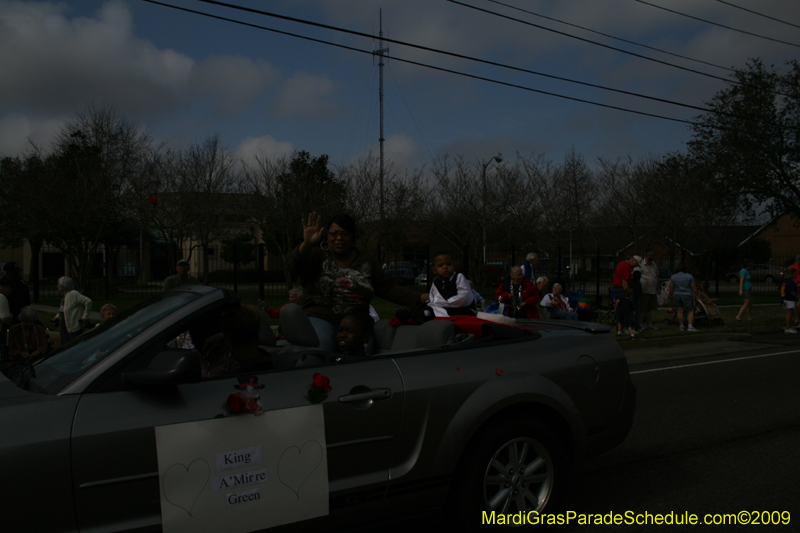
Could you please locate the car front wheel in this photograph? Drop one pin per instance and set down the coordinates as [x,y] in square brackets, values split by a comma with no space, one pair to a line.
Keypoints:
[514,466]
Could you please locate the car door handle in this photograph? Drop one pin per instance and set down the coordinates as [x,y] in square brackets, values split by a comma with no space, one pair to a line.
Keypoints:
[376,394]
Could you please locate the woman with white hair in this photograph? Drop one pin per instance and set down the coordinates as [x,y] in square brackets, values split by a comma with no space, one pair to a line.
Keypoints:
[529,266]
[520,294]
[558,306]
[73,315]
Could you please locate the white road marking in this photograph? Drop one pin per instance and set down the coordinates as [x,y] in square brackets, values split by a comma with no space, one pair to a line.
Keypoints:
[713,362]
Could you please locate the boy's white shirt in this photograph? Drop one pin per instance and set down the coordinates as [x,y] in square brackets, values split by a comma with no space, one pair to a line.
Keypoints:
[462,299]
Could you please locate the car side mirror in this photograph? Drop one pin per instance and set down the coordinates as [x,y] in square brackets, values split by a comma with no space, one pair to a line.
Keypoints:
[169,367]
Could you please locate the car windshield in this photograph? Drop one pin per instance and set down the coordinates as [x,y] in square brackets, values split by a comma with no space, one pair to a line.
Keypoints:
[77,357]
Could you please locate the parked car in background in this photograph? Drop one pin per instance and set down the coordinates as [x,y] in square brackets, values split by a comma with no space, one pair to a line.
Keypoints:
[495,271]
[482,421]
[402,272]
[759,272]
[402,276]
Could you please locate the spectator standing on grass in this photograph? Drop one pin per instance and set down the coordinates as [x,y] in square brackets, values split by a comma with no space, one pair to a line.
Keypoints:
[19,296]
[789,298]
[182,277]
[529,266]
[682,290]
[651,288]
[73,314]
[625,312]
[745,291]
[796,267]
[622,277]
[636,291]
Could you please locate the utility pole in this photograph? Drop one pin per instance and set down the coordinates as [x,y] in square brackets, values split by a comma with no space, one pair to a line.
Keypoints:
[381,52]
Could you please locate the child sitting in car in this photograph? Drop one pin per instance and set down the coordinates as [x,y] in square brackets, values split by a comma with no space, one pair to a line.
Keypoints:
[450,293]
[355,332]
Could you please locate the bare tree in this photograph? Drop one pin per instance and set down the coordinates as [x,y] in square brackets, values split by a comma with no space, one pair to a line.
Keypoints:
[283,191]
[624,188]
[206,173]
[404,200]
[95,156]
[162,206]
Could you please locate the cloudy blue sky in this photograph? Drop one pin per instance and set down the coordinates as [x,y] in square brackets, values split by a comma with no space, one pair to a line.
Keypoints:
[185,76]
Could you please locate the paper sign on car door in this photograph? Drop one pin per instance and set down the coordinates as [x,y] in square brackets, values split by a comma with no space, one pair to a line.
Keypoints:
[243,473]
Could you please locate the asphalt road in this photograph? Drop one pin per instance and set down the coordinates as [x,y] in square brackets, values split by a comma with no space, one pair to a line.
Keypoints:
[716,431]
[713,433]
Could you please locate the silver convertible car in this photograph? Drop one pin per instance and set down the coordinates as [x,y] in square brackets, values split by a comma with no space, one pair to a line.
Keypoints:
[118,431]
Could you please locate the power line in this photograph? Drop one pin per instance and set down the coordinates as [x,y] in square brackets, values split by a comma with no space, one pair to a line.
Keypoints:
[726,80]
[716,23]
[417,63]
[462,56]
[611,36]
[757,13]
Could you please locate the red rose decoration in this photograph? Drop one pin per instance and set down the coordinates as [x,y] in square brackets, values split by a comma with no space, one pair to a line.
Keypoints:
[236,403]
[318,392]
[498,371]
[322,382]
[153,199]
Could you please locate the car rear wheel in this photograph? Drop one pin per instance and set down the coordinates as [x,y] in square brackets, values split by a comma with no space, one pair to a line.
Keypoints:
[769,279]
[514,466]
[733,279]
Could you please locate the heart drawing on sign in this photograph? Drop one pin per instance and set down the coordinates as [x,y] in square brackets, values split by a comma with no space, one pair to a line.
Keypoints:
[183,485]
[298,463]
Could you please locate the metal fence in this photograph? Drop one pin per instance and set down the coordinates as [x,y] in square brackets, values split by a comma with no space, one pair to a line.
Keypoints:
[136,274]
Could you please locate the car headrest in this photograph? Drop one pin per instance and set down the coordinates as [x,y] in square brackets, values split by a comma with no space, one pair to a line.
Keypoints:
[436,333]
[296,327]
[383,333]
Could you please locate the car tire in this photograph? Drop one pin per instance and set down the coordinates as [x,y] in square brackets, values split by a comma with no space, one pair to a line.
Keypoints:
[733,279]
[769,279]
[492,476]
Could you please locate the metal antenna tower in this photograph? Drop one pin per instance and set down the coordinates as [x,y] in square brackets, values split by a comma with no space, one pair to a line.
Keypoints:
[381,52]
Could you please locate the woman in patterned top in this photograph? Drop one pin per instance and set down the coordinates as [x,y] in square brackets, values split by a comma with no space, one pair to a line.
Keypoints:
[337,278]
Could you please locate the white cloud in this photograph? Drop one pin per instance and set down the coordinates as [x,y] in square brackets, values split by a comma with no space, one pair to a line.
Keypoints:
[235,82]
[400,151]
[264,146]
[305,95]
[53,65]
[60,64]
[19,134]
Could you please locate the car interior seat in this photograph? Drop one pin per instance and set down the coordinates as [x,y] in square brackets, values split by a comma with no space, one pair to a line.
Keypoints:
[297,328]
[429,334]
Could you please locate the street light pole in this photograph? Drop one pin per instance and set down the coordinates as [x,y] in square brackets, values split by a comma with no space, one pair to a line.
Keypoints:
[499,159]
